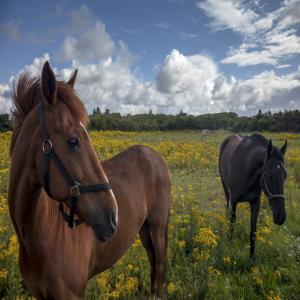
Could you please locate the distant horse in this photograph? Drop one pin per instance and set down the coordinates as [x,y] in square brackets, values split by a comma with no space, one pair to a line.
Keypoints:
[205,133]
[57,182]
[249,165]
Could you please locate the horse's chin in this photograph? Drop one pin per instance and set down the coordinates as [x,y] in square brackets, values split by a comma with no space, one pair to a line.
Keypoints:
[103,236]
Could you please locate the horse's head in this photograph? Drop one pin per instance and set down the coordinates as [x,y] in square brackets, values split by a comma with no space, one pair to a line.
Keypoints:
[64,118]
[274,176]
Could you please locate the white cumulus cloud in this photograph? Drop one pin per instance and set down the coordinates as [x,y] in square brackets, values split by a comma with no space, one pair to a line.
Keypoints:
[5,98]
[180,73]
[273,35]
[192,84]
[227,14]
[93,44]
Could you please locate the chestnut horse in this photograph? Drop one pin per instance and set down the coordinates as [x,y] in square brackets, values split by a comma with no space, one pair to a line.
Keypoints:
[56,177]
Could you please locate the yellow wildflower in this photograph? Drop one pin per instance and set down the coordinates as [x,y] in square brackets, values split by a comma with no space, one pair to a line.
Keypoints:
[13,246]
[226,259]
[206,237]
[3,274]
[214,271]
[131,285]
[130,267]
[201,255]
[171,288]
[102,279]
[181,244]
[272,296]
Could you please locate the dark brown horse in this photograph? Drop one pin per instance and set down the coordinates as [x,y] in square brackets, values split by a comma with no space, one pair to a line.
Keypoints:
[51,155]
[249,165]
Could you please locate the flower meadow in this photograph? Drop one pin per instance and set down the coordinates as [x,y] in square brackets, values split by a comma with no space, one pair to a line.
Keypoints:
[208,258]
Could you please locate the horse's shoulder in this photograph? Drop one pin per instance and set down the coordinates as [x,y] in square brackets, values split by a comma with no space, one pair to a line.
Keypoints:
[250,149]
[256,139]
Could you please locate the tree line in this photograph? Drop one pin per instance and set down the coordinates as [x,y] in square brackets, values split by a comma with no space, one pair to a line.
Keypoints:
[288,120]
[5,123]
[279,121]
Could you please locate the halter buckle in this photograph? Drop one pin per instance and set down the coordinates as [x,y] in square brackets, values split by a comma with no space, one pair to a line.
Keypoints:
[75,190]
[47,149]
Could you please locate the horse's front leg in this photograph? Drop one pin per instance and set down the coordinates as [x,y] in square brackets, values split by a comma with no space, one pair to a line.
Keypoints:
[254,214]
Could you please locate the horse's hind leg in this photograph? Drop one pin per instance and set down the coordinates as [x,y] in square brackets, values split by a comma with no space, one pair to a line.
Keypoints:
[154,238]
[148,245]
[159,234]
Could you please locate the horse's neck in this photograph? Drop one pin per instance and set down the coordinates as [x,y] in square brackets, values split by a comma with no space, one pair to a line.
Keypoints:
[23,192]
[256,167]
[26,202]
[260,157]
[31,209]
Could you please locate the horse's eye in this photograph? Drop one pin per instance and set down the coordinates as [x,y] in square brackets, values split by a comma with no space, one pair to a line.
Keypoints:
[73,141]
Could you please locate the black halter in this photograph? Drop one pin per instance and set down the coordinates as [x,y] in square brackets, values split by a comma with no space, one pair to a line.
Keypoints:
[75,187]
[268,192]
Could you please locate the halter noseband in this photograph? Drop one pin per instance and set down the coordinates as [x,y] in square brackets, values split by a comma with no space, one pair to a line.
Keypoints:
[76,189]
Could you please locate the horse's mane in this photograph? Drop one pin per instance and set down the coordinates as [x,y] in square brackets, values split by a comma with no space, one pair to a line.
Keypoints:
[27,93]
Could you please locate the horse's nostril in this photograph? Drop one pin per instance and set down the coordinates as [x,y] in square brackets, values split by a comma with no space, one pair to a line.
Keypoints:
[113,221]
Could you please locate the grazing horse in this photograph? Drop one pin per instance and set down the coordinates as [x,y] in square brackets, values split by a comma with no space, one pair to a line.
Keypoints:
[57,184]
[249,165]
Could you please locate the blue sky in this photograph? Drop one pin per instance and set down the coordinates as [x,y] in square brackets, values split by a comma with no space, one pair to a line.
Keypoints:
[197,56]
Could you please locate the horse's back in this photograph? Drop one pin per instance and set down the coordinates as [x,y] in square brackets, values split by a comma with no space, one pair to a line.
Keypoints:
[139,160]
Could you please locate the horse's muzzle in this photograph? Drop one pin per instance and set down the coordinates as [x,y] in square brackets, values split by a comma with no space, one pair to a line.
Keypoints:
[106,230]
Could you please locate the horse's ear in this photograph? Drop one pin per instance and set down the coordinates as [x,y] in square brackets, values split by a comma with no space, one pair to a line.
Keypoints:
[48,83]
[270,148]
[283,148]
[72,80]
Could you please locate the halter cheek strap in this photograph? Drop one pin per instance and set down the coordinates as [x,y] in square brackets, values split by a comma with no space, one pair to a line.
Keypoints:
[76,189]
[268,192]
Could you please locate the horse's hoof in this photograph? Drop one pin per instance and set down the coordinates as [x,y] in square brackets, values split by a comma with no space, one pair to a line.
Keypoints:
[154,297]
